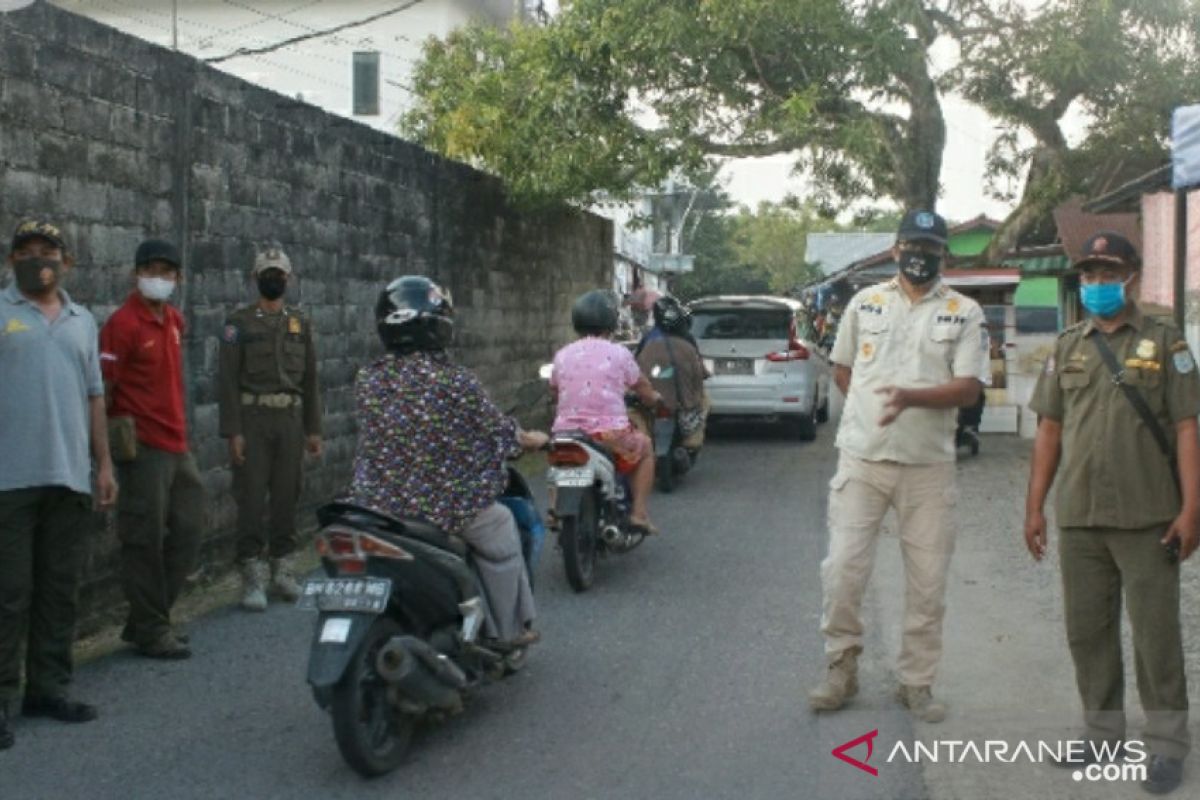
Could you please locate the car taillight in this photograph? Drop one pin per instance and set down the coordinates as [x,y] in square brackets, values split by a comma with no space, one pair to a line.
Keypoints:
[795,352]
[567,454]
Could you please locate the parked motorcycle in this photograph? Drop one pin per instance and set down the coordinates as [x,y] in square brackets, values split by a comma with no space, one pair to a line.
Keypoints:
[397,636]
[592,501]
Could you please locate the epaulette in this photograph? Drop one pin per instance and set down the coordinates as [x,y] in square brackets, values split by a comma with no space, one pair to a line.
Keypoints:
[1071,328]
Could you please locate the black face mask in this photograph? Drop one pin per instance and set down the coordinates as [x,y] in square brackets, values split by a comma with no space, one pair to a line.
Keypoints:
[271,286]
[30,274]
[920,268]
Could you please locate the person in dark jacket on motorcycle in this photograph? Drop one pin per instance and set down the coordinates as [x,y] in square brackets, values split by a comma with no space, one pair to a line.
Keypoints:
[670,344]
[432,445]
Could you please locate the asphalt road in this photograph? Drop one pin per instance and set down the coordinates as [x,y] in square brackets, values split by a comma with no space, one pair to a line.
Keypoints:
[681,674]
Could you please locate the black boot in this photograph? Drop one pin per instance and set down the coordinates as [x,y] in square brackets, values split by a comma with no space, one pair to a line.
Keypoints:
[1163,775]
[59,708]
[6,735]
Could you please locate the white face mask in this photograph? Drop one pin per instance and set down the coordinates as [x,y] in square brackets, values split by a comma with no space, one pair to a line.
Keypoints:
[156,289]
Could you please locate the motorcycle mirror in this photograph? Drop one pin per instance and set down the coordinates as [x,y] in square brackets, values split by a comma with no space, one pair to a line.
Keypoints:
[545,371]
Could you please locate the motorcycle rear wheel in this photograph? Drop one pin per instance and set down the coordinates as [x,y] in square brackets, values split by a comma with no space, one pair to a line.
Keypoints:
[578,540]
[371,734]
[664,474]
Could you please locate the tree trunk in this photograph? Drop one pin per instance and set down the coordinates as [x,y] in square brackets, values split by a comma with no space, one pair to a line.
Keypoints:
[1039,198]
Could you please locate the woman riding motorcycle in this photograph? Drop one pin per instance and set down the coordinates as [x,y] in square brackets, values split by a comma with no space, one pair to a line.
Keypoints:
[432,446]
[590,379]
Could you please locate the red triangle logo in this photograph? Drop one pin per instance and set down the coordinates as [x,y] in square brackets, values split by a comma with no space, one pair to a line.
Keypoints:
[869,739]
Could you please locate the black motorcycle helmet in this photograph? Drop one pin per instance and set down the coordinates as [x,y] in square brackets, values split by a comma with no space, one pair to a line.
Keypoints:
[413,313]
[671,316]
[595,313]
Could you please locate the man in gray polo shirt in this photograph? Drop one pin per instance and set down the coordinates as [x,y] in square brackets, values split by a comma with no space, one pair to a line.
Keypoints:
[51,408]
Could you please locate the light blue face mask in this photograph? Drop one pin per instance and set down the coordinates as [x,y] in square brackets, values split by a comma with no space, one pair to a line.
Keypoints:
[1103,299]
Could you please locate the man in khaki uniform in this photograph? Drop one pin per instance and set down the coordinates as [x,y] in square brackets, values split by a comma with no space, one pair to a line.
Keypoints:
[907,355]
[270,408]
[1123,518]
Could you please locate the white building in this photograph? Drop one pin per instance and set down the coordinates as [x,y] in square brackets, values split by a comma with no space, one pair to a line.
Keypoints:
[365,65]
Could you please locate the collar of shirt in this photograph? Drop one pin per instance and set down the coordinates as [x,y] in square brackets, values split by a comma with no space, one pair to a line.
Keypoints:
[144,313]
[1135,320]
[936,292]
[14,296]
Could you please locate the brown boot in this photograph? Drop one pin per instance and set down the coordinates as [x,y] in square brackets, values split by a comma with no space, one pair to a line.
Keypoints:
[920,701]
[840,684]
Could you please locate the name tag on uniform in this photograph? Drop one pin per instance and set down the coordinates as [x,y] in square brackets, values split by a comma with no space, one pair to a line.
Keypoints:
[294,325]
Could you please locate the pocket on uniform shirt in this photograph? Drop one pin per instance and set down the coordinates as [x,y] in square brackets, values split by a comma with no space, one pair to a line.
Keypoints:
[1074,380]
[259,364]
[873,332]
[293,356]
[1143,378]
[944,332]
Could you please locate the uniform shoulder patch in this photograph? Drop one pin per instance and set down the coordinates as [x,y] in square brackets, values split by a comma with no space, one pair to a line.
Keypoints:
[230,334]
[1183,361]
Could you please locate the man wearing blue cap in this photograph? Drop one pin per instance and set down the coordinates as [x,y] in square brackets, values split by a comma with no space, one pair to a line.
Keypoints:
[908,354]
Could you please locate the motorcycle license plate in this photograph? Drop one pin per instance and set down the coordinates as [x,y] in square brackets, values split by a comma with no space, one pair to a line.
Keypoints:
[573,476]
[368,595]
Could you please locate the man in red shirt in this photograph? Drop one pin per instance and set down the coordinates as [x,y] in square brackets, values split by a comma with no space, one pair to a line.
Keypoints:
[160,514]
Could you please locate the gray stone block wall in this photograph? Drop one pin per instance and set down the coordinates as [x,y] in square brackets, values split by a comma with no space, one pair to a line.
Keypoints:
[116,140]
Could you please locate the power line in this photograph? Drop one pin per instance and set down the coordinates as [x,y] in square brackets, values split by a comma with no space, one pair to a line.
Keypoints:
[243,51]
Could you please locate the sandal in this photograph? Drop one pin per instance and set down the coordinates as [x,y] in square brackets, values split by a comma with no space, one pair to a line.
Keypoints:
[645,528]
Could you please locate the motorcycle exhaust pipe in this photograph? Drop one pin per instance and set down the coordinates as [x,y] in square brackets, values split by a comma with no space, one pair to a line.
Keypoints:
[612,535]
[420,672]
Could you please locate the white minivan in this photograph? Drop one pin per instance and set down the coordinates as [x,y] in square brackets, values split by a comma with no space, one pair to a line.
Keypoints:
[764,360]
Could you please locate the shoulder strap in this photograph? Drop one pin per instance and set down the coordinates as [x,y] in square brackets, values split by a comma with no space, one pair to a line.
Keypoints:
[1135,397]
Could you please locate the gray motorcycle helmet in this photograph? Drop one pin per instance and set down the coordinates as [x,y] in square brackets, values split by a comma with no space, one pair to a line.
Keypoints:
[595,313]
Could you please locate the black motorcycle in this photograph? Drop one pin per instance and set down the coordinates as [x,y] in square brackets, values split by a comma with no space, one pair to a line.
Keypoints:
[397,636]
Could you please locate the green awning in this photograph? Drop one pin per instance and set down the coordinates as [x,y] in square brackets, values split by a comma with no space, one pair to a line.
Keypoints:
[1037,291]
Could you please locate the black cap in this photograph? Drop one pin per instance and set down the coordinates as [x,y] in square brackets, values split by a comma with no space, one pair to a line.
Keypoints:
[156,250]
[922,225]
[1107,247]
[38,229]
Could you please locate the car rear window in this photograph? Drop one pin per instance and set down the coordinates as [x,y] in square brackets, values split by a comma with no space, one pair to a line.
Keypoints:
[741,323]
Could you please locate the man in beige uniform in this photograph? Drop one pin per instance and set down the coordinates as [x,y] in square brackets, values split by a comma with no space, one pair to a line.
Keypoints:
[1123,518]
[907,356]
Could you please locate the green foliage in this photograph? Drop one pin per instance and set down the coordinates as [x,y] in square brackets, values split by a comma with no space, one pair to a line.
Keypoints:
[612,95]
[755,252]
